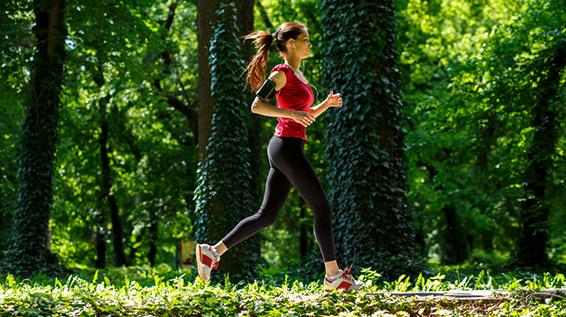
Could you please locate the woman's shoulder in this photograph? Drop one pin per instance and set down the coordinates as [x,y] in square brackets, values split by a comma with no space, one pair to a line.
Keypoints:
[286,70]
[283,67]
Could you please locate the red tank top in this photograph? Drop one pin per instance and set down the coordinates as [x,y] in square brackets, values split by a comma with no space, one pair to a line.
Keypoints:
[295,95]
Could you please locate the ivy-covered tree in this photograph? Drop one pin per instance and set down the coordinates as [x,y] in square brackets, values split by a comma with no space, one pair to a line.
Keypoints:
[29,250]
[13,28]
[365,140]
[224,182]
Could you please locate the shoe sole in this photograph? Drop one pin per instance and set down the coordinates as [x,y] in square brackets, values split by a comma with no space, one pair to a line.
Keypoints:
[328,288]
[201,272]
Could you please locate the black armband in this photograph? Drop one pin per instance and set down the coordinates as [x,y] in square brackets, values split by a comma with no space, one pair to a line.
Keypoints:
[267,90]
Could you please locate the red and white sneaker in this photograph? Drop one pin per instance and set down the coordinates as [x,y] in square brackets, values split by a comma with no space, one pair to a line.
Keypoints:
[342,280]
[207,260]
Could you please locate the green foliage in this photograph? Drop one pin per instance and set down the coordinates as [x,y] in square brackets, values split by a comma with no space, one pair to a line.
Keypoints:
[471,73]
[151,148]
[470,81]
[437,39]
[521,74]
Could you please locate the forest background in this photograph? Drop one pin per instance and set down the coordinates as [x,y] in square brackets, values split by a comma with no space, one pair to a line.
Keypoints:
[449,149]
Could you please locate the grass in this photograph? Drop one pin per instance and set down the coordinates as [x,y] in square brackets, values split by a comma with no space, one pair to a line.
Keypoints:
[161,291]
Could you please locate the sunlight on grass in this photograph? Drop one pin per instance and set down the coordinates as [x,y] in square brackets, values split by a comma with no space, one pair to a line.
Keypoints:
[163,292]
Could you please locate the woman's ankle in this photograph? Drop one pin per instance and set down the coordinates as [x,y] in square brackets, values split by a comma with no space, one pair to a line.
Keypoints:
[220,248]
[331,267]
[332,273]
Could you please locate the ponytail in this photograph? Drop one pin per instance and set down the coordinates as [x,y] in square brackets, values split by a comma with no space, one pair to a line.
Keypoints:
[262,41]
[256,68]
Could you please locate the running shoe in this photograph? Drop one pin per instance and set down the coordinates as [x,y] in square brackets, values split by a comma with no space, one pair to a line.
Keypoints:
[342,280]
[207,260]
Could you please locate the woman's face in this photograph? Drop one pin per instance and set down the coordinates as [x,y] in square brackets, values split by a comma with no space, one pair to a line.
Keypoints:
[301,45]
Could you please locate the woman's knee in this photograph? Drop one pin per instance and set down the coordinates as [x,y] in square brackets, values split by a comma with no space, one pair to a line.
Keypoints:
[266,217]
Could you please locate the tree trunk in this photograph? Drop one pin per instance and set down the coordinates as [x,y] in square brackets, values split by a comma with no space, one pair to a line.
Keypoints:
[304,245]
[205,16]
[533,234]
[153,232]
[365,140]
[28,251]
[454,240]
[106,193]
[487,137]
[117,231]
[100,213]
[100,261]
[245,17]
[223,194]
[456,247]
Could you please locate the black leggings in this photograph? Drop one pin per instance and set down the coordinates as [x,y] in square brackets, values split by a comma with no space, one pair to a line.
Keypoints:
[289,165]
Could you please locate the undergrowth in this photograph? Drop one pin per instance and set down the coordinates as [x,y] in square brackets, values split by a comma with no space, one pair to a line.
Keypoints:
[160,291]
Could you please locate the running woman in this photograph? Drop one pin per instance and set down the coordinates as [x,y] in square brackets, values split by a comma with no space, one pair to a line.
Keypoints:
[287,160]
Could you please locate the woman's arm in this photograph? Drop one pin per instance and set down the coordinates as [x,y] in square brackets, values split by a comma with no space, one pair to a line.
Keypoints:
[333,100]
[304,118]
[266,109]
[259,106]
[319,109]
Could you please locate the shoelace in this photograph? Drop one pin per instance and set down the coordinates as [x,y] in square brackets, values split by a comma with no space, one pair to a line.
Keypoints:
[346,273]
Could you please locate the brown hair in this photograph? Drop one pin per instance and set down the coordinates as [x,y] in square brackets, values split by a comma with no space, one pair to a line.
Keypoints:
[262,41]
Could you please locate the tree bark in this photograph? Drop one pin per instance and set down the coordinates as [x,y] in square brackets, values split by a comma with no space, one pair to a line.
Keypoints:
[255,123]
[304,245]
[153,233]
[487,139]
[365,140]
[245,16]
[100,217]
[117,230]
[106,181]
[454,240]
[205,16]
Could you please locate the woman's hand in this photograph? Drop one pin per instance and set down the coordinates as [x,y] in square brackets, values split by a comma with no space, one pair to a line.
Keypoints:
[334,100]
[303,117]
